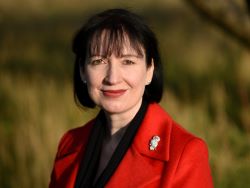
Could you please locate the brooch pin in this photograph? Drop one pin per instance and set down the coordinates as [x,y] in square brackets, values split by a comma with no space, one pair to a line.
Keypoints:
[154,143]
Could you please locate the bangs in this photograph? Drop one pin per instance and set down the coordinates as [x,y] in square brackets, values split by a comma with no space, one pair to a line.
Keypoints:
[106,42]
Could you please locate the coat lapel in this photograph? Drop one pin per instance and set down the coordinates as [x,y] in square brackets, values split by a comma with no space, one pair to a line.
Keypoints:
[155,123]
[140,165]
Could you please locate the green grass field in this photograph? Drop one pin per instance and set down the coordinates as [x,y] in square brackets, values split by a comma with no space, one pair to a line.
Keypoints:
[207,84]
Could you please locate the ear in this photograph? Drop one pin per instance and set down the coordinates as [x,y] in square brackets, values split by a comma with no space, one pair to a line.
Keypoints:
[150,72]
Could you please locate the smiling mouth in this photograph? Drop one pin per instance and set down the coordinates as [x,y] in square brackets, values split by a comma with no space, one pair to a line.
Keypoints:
[113,93]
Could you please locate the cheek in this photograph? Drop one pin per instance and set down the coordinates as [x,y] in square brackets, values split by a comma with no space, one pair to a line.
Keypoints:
[93,78]
[93,83]
[138,77]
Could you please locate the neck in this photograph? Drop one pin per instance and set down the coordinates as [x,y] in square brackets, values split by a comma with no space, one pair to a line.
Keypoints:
[116,121]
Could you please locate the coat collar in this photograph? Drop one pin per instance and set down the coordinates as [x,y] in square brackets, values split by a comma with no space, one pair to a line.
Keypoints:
[156,123]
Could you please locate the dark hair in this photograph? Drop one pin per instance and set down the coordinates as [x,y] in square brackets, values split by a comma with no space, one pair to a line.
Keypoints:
[117,23]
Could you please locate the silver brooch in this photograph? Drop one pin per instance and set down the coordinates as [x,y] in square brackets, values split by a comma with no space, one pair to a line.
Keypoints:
[154,142]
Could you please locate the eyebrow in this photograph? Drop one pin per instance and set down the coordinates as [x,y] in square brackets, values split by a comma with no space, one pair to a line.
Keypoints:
[132,55]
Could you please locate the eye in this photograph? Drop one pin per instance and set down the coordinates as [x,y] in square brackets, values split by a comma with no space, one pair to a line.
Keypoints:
[97,61]
[128,62]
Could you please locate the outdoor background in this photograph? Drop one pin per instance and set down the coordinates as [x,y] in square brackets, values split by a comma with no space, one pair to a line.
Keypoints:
[207,83]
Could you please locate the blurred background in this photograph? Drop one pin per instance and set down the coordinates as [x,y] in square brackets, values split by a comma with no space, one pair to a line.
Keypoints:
[205,47]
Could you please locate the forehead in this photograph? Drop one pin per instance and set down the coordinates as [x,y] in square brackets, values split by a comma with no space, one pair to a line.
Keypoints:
[116,42]
[127,49]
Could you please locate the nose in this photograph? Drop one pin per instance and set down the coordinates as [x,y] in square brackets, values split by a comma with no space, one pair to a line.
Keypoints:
[113,74]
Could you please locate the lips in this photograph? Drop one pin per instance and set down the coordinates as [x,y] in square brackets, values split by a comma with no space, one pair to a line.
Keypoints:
[113,93]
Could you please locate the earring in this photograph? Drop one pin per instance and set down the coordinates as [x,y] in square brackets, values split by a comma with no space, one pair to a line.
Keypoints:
[84,81]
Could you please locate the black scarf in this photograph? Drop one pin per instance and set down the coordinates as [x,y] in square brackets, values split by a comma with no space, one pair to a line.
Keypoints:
[89,164]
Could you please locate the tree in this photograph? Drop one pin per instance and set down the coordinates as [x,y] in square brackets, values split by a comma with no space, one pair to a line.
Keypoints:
[232,16]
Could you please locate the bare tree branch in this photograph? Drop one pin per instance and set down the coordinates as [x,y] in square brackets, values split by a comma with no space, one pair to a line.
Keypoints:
[230,15]
[248,6]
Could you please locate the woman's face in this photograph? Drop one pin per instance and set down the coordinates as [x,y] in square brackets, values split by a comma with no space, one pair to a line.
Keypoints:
[117,84]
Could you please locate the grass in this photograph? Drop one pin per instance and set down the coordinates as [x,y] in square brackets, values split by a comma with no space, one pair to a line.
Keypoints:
[41,111]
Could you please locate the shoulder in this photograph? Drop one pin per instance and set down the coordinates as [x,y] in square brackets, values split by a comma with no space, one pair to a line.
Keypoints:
[182,139]
[190,158]
[189,154]
[74,139]
[188,146]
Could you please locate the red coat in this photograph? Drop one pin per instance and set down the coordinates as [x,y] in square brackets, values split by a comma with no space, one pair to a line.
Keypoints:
[179,161]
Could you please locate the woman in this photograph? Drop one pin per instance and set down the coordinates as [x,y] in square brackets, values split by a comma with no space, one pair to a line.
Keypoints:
[132,142]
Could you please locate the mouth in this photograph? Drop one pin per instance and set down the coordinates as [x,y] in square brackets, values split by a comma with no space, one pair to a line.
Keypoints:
[113,93]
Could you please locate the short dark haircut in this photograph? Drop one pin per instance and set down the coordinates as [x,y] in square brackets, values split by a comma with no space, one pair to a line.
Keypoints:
[117,23]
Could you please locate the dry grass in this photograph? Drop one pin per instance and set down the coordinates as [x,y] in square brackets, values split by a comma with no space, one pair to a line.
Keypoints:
[41,111]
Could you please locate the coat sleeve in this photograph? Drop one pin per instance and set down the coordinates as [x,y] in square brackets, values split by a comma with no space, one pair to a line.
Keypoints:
[193,167]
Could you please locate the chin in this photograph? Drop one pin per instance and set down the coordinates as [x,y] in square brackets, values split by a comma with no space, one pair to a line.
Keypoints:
[113,110]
